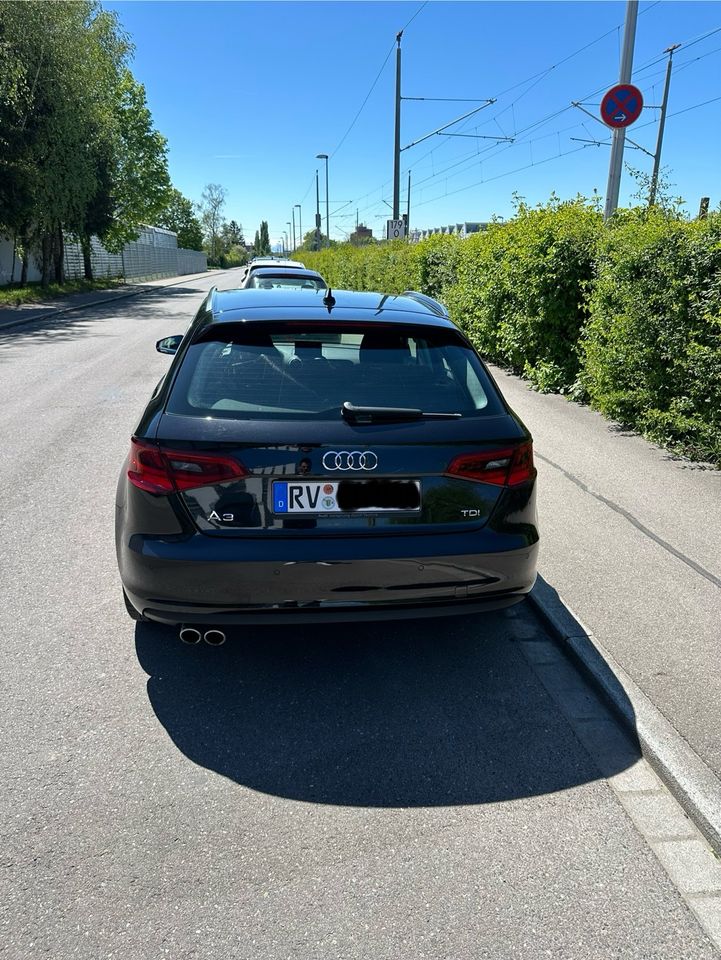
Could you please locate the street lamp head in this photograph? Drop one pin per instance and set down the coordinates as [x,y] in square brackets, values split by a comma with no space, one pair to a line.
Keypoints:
[321,156]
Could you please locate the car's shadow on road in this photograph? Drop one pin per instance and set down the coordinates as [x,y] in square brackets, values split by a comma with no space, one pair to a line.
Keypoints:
[430,713]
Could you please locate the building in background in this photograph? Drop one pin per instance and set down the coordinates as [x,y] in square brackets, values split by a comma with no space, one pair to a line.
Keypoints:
[457,229]
[361,235]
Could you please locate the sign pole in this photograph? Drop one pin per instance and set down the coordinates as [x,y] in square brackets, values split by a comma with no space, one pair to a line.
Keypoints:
[619,136]
[397,141]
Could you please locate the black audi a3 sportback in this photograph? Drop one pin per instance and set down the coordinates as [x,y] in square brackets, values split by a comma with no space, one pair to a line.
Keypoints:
[319,456]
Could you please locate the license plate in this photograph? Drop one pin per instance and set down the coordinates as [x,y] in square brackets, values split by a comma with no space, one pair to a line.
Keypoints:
[305,497]
[346,496]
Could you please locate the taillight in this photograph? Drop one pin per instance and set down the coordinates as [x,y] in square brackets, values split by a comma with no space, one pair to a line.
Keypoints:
[506,467]
[168,471]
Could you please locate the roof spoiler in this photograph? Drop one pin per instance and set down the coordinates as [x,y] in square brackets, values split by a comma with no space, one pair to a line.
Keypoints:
[428,302]
[212,293]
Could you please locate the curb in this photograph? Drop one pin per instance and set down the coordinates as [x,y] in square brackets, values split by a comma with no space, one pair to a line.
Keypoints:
[692,783]
[97,303]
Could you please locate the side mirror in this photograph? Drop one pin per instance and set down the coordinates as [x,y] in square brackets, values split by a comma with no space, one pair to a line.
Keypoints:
[169,344]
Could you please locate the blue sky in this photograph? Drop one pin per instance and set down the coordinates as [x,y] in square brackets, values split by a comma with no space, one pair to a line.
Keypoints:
[248,93]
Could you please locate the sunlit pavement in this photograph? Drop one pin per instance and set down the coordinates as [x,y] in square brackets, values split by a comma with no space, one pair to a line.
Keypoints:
[409,791]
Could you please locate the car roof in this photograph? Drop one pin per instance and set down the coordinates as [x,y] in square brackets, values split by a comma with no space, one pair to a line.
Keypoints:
[228,306]
[280,270]
[275,262]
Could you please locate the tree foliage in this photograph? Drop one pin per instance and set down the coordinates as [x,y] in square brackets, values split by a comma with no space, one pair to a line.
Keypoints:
[211,215]
[179,216]
[652,348]
[312,239]
[231,235]
[262,248]
[78,152]
[142,187]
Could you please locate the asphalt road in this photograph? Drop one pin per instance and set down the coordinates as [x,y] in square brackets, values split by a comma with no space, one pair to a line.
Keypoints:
[401,791]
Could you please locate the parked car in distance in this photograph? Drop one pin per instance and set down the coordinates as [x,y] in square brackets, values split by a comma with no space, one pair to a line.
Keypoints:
[279,278]
[258,263]
[315,456]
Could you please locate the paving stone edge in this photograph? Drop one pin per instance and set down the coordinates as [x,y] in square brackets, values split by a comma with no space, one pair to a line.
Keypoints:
[689,779]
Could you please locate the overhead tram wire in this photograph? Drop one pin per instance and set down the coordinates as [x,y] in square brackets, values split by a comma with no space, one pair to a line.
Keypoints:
[310,187]
[499,176]
[538,77]
[559,156]
[533,79]
[471,157]
[367,97]
[373,85]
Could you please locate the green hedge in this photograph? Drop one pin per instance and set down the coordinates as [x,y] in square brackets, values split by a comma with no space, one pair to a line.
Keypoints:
[520,290]
[652,346]
[626,315]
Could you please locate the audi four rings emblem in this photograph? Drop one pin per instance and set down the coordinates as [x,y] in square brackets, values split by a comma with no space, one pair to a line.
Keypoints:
[350,460]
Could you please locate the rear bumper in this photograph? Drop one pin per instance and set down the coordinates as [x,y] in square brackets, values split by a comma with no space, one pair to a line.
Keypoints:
[211,581]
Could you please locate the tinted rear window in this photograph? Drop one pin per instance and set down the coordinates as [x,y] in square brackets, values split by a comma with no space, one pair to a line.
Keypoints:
[307,371]
[263,281]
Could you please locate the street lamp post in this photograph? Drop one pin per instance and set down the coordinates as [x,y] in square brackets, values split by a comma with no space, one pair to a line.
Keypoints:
[300,226]
[324,156]
[285,242]
[317,213]
[292,217]
[287,223]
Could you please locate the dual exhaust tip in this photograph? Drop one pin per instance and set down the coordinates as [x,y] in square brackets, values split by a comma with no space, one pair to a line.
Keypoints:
[191,635]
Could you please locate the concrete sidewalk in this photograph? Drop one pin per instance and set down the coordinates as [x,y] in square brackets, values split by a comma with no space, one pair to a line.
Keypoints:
[631,540]
[27,312]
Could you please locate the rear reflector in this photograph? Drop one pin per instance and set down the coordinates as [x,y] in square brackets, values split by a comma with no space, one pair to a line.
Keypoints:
[506,467]
[168,471]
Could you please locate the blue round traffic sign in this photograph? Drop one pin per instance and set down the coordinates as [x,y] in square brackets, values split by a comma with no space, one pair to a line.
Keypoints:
[622,105]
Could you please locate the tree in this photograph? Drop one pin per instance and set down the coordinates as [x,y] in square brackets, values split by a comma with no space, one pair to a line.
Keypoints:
[231,235]
[310,241]
[179,216]
[141,188]
[263,247]
[211,206]
[59,67]
[78,150]
[256,243]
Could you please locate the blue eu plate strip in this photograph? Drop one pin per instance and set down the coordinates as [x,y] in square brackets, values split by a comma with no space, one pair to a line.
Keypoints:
[280,497]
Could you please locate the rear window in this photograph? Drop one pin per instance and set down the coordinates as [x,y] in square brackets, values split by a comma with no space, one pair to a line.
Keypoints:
[263,281]
[307,371]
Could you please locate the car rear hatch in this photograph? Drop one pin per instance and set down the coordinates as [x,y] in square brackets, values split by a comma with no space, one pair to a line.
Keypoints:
[338,429]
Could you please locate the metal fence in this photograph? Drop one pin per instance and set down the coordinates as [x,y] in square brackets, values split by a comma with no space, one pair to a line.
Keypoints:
[153,255]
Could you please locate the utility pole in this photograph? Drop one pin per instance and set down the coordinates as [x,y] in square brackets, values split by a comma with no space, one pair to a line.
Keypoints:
[619,135]
[327,202]
[292,216]
[661,125]
[317,213]
[324,156]
[408,208]
[397,148]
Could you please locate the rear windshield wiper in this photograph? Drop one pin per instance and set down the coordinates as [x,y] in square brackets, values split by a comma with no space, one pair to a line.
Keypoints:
[354,414]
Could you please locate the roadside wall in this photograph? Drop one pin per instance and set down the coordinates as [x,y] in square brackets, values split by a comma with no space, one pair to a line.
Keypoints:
[153,255]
